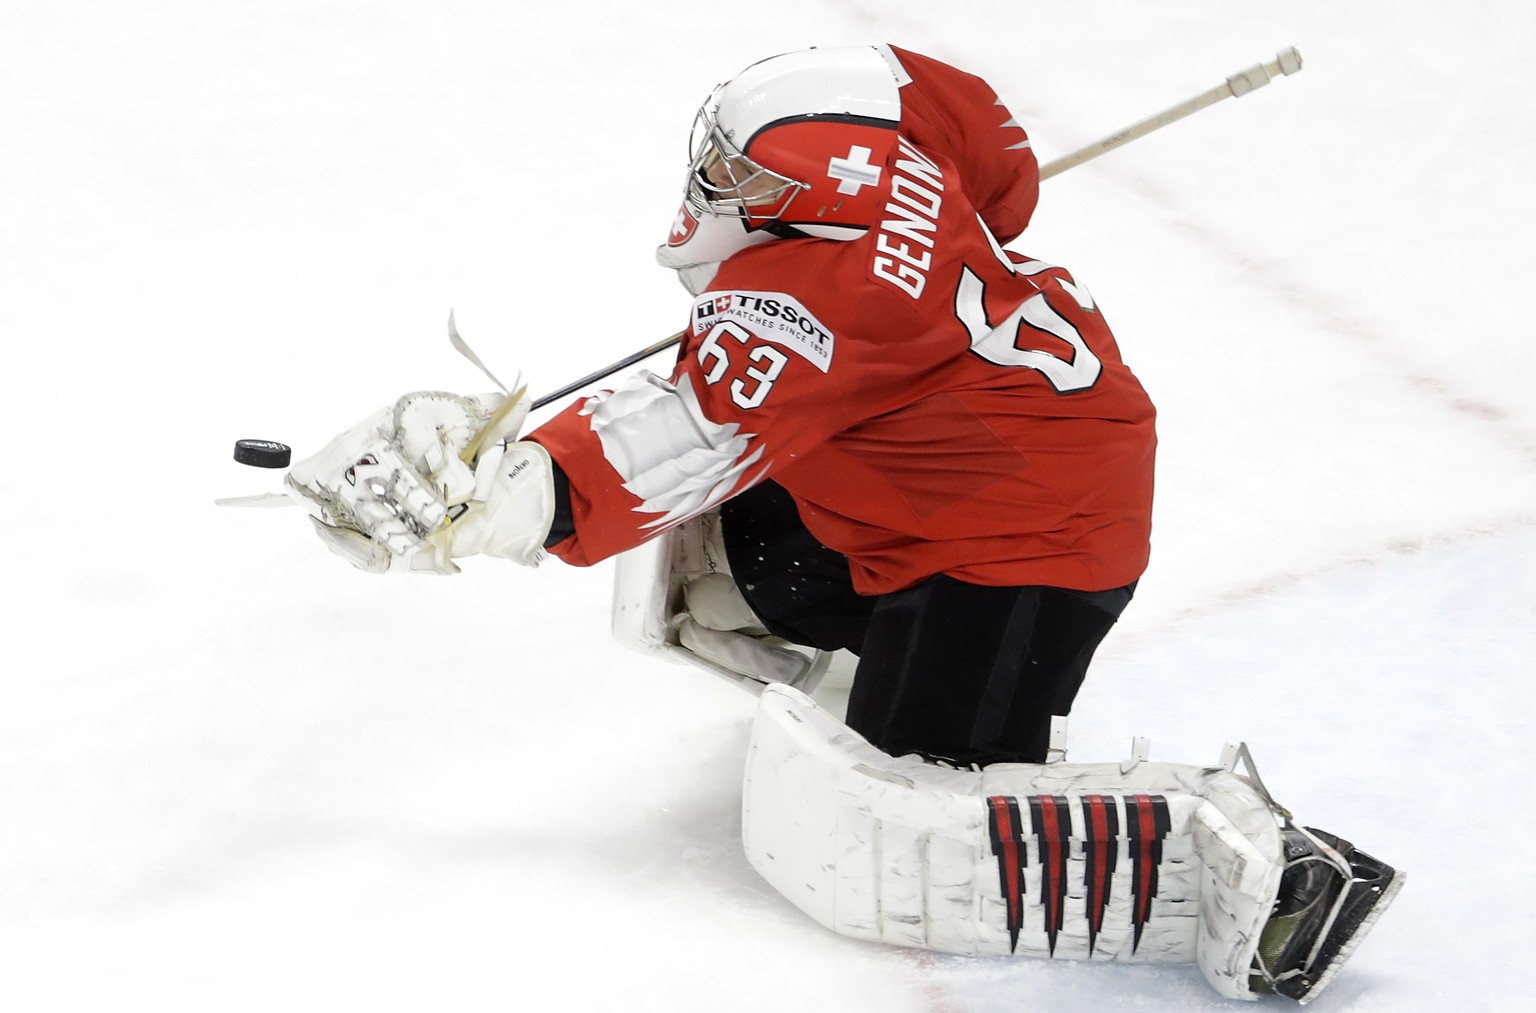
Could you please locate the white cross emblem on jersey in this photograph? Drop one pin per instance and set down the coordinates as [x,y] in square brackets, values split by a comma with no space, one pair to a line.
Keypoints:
[855,171]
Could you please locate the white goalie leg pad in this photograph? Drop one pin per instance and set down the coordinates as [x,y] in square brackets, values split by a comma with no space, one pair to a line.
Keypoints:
[643,592]
[1135,861]
[1241,863]
[755,658]
[674,596]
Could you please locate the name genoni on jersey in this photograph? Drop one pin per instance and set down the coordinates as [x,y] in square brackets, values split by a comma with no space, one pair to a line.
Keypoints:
[904,242]
[774,316]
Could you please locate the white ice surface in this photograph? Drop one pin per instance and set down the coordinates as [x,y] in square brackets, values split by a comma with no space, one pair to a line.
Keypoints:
[236,775]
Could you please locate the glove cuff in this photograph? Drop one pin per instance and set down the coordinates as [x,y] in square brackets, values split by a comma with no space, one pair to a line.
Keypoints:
[513,508]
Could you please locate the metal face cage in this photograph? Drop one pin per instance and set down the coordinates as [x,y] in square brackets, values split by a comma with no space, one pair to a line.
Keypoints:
[724,182]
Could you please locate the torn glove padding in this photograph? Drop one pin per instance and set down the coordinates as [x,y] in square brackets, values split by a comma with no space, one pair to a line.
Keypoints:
[433,477]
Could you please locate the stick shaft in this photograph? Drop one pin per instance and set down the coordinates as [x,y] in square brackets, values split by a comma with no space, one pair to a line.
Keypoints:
[628,360]
[1287,61]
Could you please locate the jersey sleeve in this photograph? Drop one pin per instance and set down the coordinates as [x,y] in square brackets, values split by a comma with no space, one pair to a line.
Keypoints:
[761,381]
[959,115]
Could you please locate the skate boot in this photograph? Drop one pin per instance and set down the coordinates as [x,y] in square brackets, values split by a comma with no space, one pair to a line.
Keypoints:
[1330,896]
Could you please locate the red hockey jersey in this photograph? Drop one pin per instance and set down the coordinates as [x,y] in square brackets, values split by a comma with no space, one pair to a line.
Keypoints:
[934,403]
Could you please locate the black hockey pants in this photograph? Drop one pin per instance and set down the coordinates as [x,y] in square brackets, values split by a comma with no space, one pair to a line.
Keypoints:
[954,671]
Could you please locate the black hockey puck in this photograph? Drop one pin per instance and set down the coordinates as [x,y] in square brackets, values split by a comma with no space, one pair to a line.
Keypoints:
[263,453]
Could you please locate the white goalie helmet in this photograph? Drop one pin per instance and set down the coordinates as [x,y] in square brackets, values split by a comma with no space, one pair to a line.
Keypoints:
[795,145]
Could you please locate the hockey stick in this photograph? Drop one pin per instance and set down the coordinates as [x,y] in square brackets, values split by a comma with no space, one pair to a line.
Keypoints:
[628,360]
[1286,62]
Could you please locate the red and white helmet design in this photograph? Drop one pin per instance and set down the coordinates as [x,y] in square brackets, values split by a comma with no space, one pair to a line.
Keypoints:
[800,141]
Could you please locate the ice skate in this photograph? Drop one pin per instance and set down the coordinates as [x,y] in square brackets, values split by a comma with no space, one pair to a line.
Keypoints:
[1330,896]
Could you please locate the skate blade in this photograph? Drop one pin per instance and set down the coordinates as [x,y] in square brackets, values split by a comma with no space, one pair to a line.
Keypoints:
[1382,903]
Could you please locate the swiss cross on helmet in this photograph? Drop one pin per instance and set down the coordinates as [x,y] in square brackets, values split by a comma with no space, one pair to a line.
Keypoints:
[799,142]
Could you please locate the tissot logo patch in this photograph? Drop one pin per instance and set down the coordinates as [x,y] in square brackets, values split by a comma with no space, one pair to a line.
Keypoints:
[774,316]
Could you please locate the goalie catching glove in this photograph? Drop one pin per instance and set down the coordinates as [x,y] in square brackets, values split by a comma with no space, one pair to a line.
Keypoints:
[431,478]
